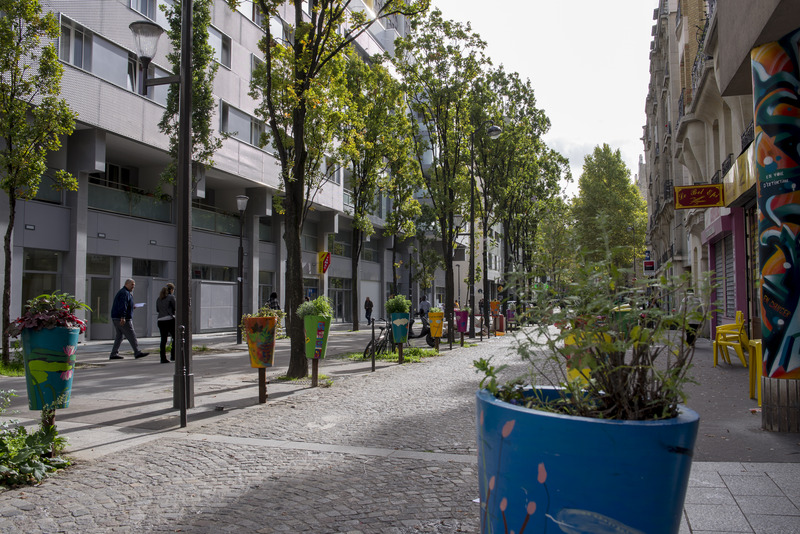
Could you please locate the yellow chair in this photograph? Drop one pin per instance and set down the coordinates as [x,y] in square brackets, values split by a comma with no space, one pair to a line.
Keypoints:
[756,366]
[734,336]
[573,373]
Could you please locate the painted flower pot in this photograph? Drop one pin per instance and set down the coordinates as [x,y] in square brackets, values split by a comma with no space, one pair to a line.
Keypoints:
[260,333]
[512,315]
[548,472]
[436,320]
[462,320]
[317,328]
[49,356]
[400,327]
[494,307]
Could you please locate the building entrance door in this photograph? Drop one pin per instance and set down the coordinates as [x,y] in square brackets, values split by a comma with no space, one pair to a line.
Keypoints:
[99,299]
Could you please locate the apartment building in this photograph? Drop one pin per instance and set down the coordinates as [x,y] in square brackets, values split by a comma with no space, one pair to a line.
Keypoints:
[114,227]
[700,130]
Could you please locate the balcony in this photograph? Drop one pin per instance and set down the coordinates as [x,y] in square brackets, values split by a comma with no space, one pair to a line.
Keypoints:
[217,221]
[727,164]
[716,178]
[130,203]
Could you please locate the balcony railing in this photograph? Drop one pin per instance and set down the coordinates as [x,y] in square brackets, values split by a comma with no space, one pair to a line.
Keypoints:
[716,178]
[204,218]
[129,203]
[727,164]
[748,136]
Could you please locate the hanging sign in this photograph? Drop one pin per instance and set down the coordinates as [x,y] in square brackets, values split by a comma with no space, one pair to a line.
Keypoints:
[323,262]
[699,196]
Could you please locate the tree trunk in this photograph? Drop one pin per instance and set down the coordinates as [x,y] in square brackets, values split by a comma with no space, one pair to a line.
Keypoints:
[12,210]
[485,254]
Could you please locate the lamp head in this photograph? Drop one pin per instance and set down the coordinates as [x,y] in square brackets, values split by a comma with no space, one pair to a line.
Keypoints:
[494,131]
[145,35]
[241,202]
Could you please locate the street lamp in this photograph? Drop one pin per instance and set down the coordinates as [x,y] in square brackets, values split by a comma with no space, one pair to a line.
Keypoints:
[241,205]
[146,37]
[493,132]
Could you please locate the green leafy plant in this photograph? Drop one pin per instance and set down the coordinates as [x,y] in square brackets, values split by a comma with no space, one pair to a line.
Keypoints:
[319,306]
[614,352]
[435,309]
[263,311]
[49,311]
[398,304]
[28,458]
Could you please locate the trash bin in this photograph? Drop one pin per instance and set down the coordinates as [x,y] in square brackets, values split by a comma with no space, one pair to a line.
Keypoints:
[623,317]
[500,323]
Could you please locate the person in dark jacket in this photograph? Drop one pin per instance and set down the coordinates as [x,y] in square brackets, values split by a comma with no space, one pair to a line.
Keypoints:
[122,319]
[273,301]
[368,309]
[166,306]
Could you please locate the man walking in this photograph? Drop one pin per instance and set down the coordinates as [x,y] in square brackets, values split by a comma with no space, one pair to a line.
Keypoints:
[122,318]
[368,310]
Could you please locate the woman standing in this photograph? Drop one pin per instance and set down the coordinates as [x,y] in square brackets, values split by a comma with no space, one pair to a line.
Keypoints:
[165,305]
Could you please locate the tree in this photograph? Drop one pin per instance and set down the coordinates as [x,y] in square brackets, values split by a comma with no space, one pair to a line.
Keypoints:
[374,138]
[300,89]
[33,118]
[607,207]
[204,70]
[439,62]
[554,248]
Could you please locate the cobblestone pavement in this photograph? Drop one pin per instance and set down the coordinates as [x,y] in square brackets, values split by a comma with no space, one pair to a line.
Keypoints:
[387,452]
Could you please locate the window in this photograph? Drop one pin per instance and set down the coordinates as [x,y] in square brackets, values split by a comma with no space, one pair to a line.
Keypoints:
[213,272]
[148,268]
[222,46]
[40,272]
[308,240]
[148,8]
[255,62]
[266,285]
[369,252]
[341,243]
[115,176]
[240,125]
[265,232]
[47,191]
[75,47]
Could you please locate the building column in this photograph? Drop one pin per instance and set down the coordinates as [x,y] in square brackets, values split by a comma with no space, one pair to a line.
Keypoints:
[776,91]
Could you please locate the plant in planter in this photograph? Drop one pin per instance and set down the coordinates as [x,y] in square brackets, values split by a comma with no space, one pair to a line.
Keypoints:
[610,446]
[260,330]
[49,330]
[316,315]
[398,308]
[436,320]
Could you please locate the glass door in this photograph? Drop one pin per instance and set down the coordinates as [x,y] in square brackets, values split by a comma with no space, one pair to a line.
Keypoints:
[99,299]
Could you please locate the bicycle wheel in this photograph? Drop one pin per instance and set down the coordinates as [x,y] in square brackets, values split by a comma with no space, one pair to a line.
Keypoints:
[368,350]
[382,347]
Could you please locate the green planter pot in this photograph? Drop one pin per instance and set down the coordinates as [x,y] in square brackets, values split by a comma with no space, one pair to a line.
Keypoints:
[49,356]
[317,328]
[400,327]
[260,334]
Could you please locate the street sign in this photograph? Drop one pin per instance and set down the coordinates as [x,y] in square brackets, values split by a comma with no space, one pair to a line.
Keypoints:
[323,262]
[649,266]
[647,255]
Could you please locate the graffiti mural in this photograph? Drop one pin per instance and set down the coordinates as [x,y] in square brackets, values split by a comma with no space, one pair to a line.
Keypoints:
[776,97]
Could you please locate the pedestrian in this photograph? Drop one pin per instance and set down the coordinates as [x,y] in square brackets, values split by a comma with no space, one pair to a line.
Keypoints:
[691,310]
[424,307]
[165,305]
[273,301]
[308,299]
[368,310]
[122,318]
[480,307]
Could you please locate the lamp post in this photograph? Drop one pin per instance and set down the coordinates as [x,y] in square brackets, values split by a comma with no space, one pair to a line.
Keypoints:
[146,35]
[493,132]
[241,205]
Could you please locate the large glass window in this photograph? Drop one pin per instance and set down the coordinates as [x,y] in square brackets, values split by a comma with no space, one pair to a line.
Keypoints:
[341,243]
[213,272]
[221,44]
[148,8]
[99,265]
[149,268]
[369,252]
[265,232]
[75,47]
[40,272]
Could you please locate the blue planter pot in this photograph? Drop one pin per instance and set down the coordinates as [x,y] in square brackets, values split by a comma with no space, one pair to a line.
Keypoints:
[49,356]
[400,327]
[547,472]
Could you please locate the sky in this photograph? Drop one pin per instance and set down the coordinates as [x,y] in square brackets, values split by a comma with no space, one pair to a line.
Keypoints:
[588,62]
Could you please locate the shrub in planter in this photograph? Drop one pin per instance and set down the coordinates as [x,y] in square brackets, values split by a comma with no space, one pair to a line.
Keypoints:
[260,330]
[398,308]
[610,449]
[436,320]
[316,315]
[49,330]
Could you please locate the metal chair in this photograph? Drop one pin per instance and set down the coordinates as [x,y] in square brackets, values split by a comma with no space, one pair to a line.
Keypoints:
[734,336]
[755,369]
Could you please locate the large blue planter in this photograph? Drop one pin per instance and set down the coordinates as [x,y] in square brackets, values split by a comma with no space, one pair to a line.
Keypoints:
[547,472]
[49,356]
[400,326]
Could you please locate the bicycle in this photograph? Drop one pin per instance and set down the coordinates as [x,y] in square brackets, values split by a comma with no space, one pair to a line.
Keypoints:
[383,341]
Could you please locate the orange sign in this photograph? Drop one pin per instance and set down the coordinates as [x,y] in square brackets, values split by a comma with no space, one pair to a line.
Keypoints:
[699,196]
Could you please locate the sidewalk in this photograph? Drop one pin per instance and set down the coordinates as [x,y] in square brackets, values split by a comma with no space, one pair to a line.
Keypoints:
[390,451]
